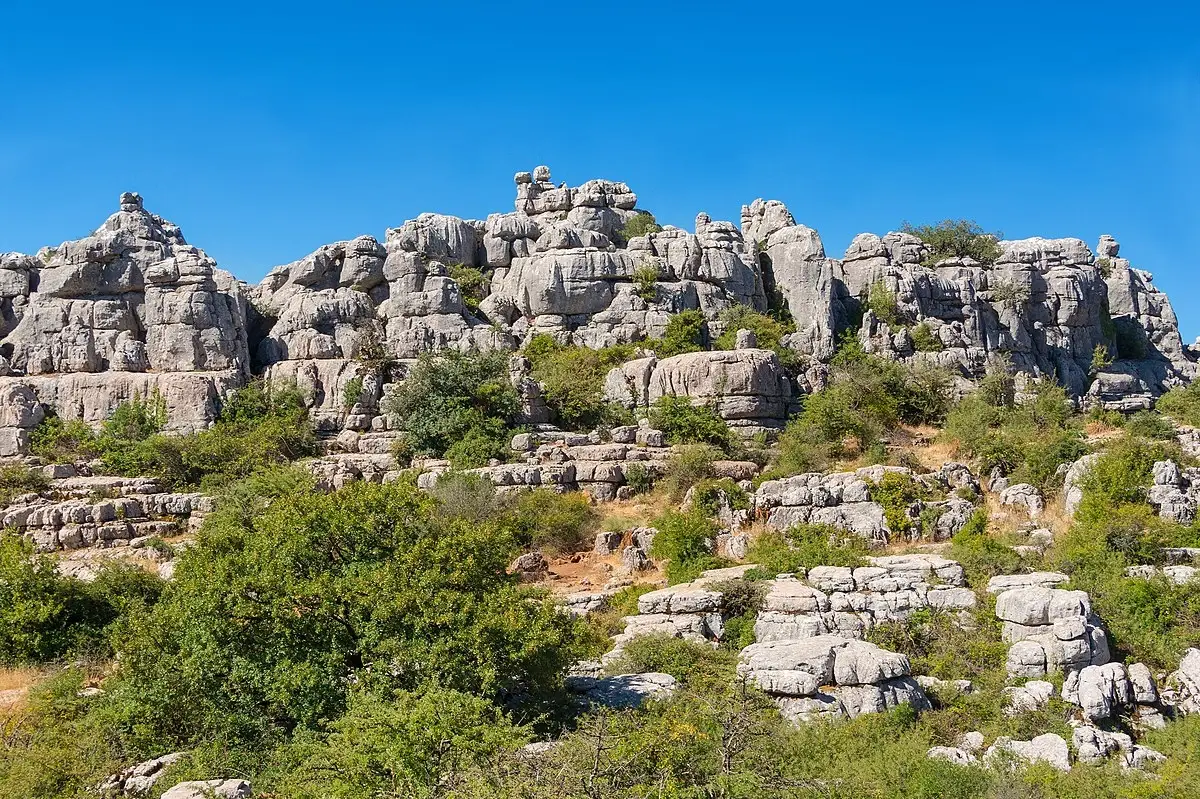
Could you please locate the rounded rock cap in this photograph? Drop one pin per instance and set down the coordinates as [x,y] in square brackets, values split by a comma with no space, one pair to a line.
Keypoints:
[131,201]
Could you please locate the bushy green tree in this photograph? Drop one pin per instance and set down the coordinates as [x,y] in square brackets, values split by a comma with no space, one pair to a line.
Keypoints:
[17,479]
[806,545]
[462,399]
[1182,404]
[768,331]
[865,397]
[572,380]
[422,744]
[957,238]
[686,423]
[271,619]
[1028,441]
[642,223]
[686,540]
[47,616]
[687,331]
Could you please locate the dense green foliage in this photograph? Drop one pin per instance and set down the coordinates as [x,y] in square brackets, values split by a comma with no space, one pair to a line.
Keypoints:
[46,616]
[686,423]
[686,540]
[767,330]
[687,331]
[642,223]
[259,426]
[805,546]
[957,238]
[865,397]
[272,615]
[881,301]
[1028,441]
[472,284]
[1182,404]
[645,282]
[16,480]
[572,380]
[1151,620]
[461,406]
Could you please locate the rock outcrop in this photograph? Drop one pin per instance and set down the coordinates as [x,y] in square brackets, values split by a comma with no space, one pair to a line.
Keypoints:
[133,309]
[830,676]
[1049,630]
[844,500]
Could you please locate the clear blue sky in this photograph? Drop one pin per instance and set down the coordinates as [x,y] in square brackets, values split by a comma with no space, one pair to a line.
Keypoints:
[267,131]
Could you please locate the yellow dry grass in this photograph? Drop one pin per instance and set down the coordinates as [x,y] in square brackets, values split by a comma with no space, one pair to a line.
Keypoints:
[641,511]
[15,684]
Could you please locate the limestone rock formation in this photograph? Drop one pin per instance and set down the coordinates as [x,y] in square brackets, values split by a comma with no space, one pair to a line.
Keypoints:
[1050,630]
[830,676]
[134,310]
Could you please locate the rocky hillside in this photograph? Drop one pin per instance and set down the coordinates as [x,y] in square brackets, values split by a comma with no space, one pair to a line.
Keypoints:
[565,504]
[134,309]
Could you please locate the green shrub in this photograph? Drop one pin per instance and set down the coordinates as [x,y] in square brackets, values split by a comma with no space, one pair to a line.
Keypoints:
[554,523]
[16,480]
[483,442]
[865,397]
[882,302]
[804,546]
[686,541]
[642,223]
[638,478]
[472,284]
[685,423]
[452,398]
[1101,360]
[269,623]
[63,441]
[465,496]
[694,664]
[1009,292]
[46,616]
[957,238]
[423,743]
[896,493]
[572,380]
[1028,441]
[939,645]
[645,282]
[1182,404]
[981,556]
[352,392]
[924,340]
[1148,424]
[260,427]
[741,600]
[706,494]
[768,331]
[688,466]
[687,331]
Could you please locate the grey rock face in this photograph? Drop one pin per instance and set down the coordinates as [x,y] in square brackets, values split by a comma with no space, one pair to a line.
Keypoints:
[828,675]
[210,789]
[843,499]
[1183,685]
[623,691]
[1050,630]
[1049,748]
[848,602]
[133,307]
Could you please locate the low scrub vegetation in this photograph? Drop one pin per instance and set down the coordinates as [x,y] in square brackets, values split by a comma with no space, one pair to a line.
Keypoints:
[865,398]
[459,406]
[957,238]
[1028,441]
[572,380]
